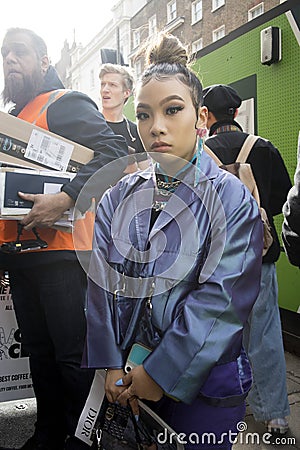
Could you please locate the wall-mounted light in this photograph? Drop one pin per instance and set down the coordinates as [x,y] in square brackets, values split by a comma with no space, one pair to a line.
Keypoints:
[270,45]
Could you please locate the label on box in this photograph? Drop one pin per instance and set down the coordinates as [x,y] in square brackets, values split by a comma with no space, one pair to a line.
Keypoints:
[49,151]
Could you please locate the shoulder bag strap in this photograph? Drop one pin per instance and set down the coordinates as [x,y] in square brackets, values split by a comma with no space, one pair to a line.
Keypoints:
[212,155]
[242,158]
[246,148]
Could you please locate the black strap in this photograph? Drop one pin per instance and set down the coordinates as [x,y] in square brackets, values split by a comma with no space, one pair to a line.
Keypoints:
[135,427]
[225,402]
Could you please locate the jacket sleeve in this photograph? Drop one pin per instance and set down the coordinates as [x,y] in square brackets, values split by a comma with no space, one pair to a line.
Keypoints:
[291,223]
[208,325]
[76,117]
[99,311]
[280,182]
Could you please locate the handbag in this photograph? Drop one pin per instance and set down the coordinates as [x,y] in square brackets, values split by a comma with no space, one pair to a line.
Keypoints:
[132,318]
[117,429]
[111,429]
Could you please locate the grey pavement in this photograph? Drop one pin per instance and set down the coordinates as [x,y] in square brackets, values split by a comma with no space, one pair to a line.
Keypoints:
[256,437]
[17,419]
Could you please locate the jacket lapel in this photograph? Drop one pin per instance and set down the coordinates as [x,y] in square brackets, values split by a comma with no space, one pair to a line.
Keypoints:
[186,194]
[176,204]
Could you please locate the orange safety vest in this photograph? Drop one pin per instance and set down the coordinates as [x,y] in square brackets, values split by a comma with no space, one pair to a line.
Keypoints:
[81,237]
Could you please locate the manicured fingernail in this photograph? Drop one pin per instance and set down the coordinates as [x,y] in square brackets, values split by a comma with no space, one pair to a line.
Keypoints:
[119,382]
[136,417]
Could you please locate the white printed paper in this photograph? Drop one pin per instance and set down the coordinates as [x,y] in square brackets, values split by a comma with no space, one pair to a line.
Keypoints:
[48,150]
[91,409]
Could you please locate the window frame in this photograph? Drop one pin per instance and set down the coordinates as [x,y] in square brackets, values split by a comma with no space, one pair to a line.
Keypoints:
[194,18]
[92,78]
[200,40]
[170,11]
[215,7]
[255,8]
[138,67]
[136,38]
[152,29]
[222,27]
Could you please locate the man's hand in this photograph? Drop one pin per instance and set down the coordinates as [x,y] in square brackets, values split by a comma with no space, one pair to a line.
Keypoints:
[46,210]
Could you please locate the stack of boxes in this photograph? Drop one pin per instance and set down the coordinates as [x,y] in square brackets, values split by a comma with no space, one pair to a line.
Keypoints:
[35,161]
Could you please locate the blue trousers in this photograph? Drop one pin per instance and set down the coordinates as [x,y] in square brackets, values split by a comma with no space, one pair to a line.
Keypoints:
[49,302]
[262,341]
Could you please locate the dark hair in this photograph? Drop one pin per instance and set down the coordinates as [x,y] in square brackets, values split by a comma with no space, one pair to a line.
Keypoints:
[223,116]
[166,56]
[37,42]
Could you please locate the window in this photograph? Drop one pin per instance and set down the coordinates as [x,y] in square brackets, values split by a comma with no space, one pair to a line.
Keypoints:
[92,79]
[138,68]
[171,11]
[136,38]
[196,11]
[256,11]
[219,33]
[217,4]
[197,45]
[152,25]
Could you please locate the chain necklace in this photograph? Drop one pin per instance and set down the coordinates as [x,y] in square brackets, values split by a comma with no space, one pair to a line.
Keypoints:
[164,191]
[168,186]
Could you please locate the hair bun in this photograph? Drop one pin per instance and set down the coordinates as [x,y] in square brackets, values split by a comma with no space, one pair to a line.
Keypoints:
[166,48]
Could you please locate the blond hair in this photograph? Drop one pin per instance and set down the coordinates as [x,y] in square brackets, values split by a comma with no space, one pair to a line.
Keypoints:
[126,74]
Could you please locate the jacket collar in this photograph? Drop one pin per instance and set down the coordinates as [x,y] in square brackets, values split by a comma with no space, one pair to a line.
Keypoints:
[209,170]
[221,125]
[186,194]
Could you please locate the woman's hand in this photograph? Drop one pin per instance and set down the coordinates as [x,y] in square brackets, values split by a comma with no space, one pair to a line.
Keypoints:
[111,390]
[139,384]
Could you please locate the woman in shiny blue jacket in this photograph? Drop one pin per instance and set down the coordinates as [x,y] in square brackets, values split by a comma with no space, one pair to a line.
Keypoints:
[176,266]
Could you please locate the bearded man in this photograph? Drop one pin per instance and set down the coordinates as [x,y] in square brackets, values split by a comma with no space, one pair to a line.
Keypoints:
[48,286]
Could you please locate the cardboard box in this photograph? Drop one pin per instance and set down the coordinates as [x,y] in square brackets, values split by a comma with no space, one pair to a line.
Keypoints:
[34,182]
[22,143]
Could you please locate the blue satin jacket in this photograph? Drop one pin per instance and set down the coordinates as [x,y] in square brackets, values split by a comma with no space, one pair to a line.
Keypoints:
[198,267]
